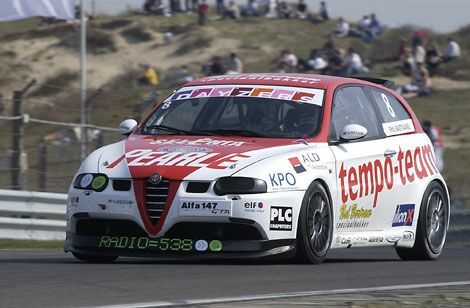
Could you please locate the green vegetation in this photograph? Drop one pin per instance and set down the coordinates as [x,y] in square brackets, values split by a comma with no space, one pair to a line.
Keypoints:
[27,244]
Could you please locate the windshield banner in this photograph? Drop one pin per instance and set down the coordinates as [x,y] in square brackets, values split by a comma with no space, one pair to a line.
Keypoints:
[301,95]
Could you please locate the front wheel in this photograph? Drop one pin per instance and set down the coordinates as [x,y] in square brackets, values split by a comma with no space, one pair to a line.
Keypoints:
[315,225]
[94,258]
[432,226]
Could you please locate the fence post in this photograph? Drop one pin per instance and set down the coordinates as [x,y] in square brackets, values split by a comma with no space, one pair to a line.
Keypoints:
[18,156]
[42,166]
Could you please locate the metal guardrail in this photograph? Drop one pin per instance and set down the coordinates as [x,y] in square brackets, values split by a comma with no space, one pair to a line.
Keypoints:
[41,216]
[29,215]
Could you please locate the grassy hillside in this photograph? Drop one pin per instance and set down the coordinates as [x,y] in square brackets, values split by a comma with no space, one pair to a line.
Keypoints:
[117,45]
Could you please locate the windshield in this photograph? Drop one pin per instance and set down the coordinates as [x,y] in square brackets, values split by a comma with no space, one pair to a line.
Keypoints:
[254,111]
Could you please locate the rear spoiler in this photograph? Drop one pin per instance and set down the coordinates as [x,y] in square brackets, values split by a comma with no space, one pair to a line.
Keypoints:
[383,82]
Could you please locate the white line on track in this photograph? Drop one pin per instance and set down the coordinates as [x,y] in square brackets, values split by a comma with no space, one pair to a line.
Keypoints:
[190,302]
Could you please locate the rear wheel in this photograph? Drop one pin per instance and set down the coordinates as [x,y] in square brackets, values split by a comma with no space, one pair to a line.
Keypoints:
[94,258]
[432,226]
[315,225]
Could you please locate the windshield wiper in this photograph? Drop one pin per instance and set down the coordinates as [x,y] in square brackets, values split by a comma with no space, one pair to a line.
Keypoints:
[232,132]
[169,129]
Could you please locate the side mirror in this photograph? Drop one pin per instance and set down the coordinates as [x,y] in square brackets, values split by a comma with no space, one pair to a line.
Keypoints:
[353,132]
[127,126]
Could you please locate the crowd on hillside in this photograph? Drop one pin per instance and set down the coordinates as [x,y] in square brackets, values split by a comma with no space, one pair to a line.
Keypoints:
[231,9]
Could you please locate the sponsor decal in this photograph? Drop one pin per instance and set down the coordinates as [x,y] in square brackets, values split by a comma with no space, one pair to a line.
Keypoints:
[205,208]
[184,149]
[398,127]
[373,177]
[141,157]
[310,160]
[201,245]
[280,181]
[120,202]
[403,215]
[353,217]
[376,239]
[408,236]
[198,142]
[295,162]
[254,207]
[215,245]
[280,218]
[277,77]
[359,240]
[305,95]
[144,243]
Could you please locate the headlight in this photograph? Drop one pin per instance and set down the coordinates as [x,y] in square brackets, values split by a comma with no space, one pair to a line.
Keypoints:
[92,181]
[239,185]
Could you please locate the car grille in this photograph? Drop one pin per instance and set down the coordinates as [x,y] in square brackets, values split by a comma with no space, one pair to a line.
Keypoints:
[156,195]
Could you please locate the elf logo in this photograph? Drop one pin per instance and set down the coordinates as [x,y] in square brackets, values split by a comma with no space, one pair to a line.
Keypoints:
[403,215]
[298,167]
[280,218]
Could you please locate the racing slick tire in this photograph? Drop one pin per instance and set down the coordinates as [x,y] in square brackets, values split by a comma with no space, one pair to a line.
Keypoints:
[432,226]
[94,258]
[315,225]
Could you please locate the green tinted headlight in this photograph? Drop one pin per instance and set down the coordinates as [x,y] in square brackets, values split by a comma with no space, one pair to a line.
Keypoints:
[92,181]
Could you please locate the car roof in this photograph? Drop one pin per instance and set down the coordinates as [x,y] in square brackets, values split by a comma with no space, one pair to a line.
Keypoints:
[280,79]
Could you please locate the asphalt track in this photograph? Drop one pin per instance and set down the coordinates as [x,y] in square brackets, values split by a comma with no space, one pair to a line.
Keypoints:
[51,278]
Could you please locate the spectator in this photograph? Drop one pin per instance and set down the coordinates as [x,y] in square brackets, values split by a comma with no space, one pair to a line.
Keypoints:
[353,63]
[289,58]
[252,9]
[232,11]
[216,67]
[364,23]
[235,65]
[420,86]
[220,7]
[316,61]
[452,51]
[324,12]
[191,5]
[149,78]
[272,9]
[408,65]
[302,11]
[419,37]
[283,67]
[404,44]
[420,56]
[180,76]
[154,7]
[202,12]
[434,134]
[336,62]
[284,10]
[341,29]
[433,58]
[375,27]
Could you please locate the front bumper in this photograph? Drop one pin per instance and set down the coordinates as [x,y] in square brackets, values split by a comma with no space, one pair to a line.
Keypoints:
[161,247]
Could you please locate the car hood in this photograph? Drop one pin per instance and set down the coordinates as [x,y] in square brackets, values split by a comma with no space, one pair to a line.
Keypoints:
[189,157]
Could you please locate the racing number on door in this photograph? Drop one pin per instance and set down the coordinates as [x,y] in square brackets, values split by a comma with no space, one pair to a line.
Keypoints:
[387,103]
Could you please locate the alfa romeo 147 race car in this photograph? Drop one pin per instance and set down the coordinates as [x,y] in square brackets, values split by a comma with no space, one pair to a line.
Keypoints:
[259,165]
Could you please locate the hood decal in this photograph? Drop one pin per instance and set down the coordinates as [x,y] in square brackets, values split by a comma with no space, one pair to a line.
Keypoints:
[176,158]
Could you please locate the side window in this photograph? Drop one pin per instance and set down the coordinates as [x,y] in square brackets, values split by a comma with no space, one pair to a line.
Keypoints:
[351,106]
[396,119]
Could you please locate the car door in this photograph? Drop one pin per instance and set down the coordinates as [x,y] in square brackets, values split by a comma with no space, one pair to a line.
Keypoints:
[359,163]
[411,156]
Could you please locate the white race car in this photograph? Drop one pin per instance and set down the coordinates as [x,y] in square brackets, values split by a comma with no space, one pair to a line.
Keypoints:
[259,165]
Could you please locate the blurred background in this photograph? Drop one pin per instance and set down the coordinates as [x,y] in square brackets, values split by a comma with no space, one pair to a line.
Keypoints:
[139,51]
